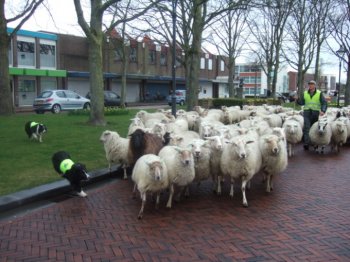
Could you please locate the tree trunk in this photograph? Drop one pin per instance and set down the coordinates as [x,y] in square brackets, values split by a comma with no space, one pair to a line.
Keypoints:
[6,100]
[347,85]
[96,82]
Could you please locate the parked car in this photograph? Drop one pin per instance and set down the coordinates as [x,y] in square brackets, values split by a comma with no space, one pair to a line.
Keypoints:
[58,100]
[110,98]
[180,96]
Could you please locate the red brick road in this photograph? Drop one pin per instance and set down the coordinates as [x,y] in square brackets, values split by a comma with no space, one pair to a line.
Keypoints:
[305,218]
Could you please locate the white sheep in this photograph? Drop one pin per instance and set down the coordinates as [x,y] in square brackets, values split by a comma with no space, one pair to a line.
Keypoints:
[339,135]
[183,139]
[294,134]
[201,155]
[136,123]
[116,148]
[145,116]
[150,175]
[320,134]
[180,165]
[274,157]
[241,159]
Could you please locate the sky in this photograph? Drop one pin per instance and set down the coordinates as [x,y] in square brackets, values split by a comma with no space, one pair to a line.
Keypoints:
[62,19]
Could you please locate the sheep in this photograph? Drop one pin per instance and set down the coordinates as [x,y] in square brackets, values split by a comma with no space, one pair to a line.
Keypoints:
[142,143]
[116,148]
[339,135]
[145,116]
[180,165]
[150,174]
[201,156]
[183,139]
[136,123]
[273,120]
[274,157]
[241,158]
[294,134]
[320,134]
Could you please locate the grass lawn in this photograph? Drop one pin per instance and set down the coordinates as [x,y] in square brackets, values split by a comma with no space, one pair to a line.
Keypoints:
[27,163]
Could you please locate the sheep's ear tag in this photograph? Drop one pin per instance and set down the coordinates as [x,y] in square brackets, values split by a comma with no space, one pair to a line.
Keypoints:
[250,141]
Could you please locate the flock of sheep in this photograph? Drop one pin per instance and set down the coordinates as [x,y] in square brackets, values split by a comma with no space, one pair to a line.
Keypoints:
[216,143]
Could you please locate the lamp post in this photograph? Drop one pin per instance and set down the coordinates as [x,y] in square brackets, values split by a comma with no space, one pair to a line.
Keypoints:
[173,98]
[340,54]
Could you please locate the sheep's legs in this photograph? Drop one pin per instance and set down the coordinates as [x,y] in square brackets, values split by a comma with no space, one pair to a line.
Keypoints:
[219,185]
[134,191]
[125,175]
[157,200]
[232,187]
[171,193]
[143,198]
[269,186]
[245,202]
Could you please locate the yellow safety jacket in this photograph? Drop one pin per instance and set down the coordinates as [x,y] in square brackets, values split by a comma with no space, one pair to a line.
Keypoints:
[66,165]
[312,103]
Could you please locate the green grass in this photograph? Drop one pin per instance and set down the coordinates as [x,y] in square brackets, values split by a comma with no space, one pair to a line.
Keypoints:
[27,163]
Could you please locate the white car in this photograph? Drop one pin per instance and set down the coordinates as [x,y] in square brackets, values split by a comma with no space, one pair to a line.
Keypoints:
[58,100]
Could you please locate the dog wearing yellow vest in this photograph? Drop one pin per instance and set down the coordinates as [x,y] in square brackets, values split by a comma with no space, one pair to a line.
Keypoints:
[75,173]
[35,130]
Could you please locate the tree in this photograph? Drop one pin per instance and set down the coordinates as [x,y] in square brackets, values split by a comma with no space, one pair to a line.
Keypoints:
[269,32]
[302,44]
[340,28]
[95,36]
[229,37]
[26,11]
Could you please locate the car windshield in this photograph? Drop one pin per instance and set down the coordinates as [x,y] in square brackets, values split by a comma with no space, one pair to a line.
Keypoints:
[45,94]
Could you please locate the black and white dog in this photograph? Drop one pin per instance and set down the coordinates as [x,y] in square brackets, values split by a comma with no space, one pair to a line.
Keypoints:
[73,172]
[35,130]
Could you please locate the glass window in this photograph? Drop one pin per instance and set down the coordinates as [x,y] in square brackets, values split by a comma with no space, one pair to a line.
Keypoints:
[152,56]
[60,94]
[45,94]
[47,54]
[118,54]
[210,64]
[26,53]
[222,65]
[163,58]
[26,85]
[133,54]
[202,63]
[71,94]
[10,53]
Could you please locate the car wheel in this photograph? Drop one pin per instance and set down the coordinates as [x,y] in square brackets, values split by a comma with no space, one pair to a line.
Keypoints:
[87,106]
[182,103]
[56,108]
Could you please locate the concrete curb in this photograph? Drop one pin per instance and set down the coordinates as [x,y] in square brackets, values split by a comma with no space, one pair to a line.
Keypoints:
[50,190]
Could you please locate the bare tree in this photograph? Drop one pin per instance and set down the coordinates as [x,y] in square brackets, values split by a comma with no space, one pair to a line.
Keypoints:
[26,11]
[229,36]
[269,32]
[95,36]
[340,28]
[302,45]
[193,17]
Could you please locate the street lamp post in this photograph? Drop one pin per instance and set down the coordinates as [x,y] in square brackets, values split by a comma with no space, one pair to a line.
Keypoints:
[173,98]
[340,54]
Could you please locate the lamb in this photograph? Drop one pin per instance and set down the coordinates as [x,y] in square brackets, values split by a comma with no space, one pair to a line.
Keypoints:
[274,157]
[241,158]
[116,148]
[180,165]
[339,135]
[320,134]
[150,174]
[294,134]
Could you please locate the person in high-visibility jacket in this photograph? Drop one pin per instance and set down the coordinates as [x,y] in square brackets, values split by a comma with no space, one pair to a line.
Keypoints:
[315,105]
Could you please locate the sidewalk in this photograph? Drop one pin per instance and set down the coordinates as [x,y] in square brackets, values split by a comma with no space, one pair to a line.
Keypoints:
[305,218]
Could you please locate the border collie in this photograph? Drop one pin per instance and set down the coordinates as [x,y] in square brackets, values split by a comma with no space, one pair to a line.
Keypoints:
[73,172]
[35,130]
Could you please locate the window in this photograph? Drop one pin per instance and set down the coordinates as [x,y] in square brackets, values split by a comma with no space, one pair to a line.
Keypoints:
[202,63]
[133,54]
[26,52]
[71,94]
[152,56]
[118,54]
[163,58]
[47,54]
[26,85]
[210,64]
[222,65]
[10,53]
[60,94]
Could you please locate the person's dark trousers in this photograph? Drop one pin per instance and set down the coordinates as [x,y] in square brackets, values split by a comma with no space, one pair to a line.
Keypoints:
[310,117]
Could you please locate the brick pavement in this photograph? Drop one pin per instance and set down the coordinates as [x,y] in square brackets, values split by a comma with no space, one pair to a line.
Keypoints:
[305,218]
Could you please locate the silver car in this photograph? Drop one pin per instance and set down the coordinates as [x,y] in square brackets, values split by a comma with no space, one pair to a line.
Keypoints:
[58,100]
